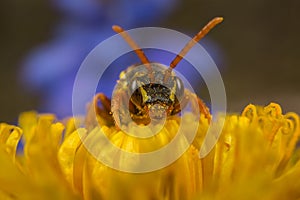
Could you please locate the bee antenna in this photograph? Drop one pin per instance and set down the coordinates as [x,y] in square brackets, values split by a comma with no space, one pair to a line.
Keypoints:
[139,52]
[211,24]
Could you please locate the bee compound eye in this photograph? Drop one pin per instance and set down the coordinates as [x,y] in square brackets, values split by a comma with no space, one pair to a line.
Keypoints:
[135,91]
[134,85]
[179,88]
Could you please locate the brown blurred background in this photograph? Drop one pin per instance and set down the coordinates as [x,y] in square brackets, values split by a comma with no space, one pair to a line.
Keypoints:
[260,41]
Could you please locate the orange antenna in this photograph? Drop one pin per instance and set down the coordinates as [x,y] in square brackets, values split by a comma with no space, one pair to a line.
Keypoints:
[192,42]
[195,39]
[135,47]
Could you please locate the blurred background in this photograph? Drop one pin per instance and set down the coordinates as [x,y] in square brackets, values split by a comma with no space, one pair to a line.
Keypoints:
[257,47]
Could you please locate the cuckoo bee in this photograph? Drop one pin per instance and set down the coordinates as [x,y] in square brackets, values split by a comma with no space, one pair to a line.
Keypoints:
[151,92]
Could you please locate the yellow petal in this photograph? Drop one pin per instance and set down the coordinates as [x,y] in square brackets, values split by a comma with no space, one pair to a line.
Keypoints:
[9,138]
[67,153]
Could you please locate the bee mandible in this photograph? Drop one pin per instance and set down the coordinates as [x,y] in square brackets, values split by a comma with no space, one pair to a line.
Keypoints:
[151,93]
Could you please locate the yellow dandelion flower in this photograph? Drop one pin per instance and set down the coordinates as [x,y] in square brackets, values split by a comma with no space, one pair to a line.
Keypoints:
[256,157]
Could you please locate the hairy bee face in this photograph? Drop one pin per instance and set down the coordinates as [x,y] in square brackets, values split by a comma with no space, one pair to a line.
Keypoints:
[156,97]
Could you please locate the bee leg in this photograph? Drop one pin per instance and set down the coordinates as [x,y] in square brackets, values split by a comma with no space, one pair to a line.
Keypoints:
[201,105]
[120,109]
[204,109]
[176,109]
[182,104]
[99,115]
[115,108]
[145,120]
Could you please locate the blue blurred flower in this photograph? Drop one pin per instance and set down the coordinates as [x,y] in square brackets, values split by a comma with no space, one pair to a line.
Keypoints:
[51,68]
[128,13]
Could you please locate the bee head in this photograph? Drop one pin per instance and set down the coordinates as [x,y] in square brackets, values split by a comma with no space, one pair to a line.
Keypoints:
[156,96]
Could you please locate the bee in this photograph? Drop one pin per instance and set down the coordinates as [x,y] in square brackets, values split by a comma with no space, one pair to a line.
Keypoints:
[149,93]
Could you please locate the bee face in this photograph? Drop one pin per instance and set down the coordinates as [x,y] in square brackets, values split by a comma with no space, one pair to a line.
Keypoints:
[154,95]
